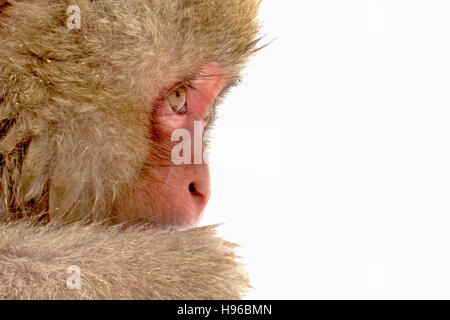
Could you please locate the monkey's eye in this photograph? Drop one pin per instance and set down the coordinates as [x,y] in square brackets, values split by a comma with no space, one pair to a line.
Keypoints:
[177,99]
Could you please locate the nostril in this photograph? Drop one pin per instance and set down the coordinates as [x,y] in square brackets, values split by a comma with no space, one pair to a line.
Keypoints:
[199,195]
[196,190]
[192,188]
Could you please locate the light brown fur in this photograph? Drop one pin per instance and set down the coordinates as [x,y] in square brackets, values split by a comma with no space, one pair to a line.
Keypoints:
[117,264]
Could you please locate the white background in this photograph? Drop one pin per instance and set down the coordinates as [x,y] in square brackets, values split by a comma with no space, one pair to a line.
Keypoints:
[331,163]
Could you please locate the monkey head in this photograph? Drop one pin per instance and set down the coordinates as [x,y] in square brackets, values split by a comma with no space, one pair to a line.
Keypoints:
[105,122]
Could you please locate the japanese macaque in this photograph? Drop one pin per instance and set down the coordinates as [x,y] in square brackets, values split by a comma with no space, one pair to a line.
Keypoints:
[95,97]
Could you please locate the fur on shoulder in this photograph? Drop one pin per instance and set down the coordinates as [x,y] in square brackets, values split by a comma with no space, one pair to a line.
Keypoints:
[135,263]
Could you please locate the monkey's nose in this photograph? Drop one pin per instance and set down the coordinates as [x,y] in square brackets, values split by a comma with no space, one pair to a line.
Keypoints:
[200,192]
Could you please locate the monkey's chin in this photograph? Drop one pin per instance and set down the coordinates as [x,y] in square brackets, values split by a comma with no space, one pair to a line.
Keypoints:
[176,218]
[179,220]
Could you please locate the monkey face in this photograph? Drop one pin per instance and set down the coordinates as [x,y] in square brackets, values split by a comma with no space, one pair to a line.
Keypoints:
[174,187]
